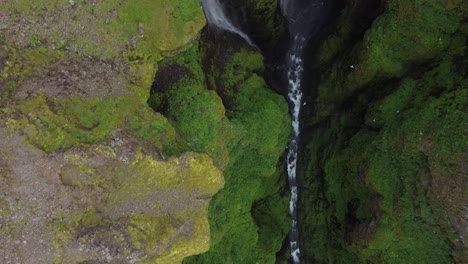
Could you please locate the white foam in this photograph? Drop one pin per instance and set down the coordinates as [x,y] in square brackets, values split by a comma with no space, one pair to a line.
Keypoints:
[295,97]
[215,15]
[295,255]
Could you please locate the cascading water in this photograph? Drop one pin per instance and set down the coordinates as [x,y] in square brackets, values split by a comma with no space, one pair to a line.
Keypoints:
[305,17]
[295,66]
[216,16]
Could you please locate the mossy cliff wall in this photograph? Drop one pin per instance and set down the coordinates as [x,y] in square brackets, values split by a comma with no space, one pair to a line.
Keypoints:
[262,21]
[90,173]
[384,161]
[84,170]
[226,109]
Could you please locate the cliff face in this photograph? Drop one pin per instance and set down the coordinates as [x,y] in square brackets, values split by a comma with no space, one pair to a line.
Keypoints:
[220,104]
[84,173]
[385,155]
[91,173]
[128,134]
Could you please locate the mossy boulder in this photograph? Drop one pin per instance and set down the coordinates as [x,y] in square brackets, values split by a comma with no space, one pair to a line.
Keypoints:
[108,202]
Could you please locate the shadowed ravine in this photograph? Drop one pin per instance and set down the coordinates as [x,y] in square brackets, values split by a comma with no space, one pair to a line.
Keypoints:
[304,20]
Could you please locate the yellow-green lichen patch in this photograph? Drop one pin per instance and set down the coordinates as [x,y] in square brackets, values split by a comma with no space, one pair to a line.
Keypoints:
[126,211]
[53,124]
[18,66]
[78,175]
[189,173]
[166,25]
[147,231]
[106,28]
[198,242]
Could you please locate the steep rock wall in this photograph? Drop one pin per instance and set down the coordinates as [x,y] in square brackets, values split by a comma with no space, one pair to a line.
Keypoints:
[385,137]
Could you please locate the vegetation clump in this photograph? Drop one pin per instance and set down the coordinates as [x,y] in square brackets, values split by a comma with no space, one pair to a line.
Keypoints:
[246,139]
[387,140]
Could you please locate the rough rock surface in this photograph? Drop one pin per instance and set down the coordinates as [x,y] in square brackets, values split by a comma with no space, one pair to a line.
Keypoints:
[83,172]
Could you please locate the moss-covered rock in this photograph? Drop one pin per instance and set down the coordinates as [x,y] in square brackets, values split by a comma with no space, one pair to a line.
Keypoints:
[388,48]
[244,126]
[84,170]
[262,21]
[110,201]
[386,138]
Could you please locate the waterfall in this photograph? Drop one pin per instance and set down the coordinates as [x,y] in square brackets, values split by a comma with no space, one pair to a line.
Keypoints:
[295,69]
[305,17]
[284,6]
[215,15]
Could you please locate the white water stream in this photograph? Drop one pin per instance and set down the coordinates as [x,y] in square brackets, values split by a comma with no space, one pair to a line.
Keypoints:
[295,70]
[215,15]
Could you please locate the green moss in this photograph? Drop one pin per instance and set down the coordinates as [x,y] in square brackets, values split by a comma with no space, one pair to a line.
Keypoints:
[197,114]
[377,166]
[20,65]
[389,47]
[269,215]
[115,185]
[53,124]
[240,67]
[256,136]
[146,231]
[413,241]
[190,172]
[247,141]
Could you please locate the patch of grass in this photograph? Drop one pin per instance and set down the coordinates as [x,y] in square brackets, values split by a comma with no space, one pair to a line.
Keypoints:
[167,25]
